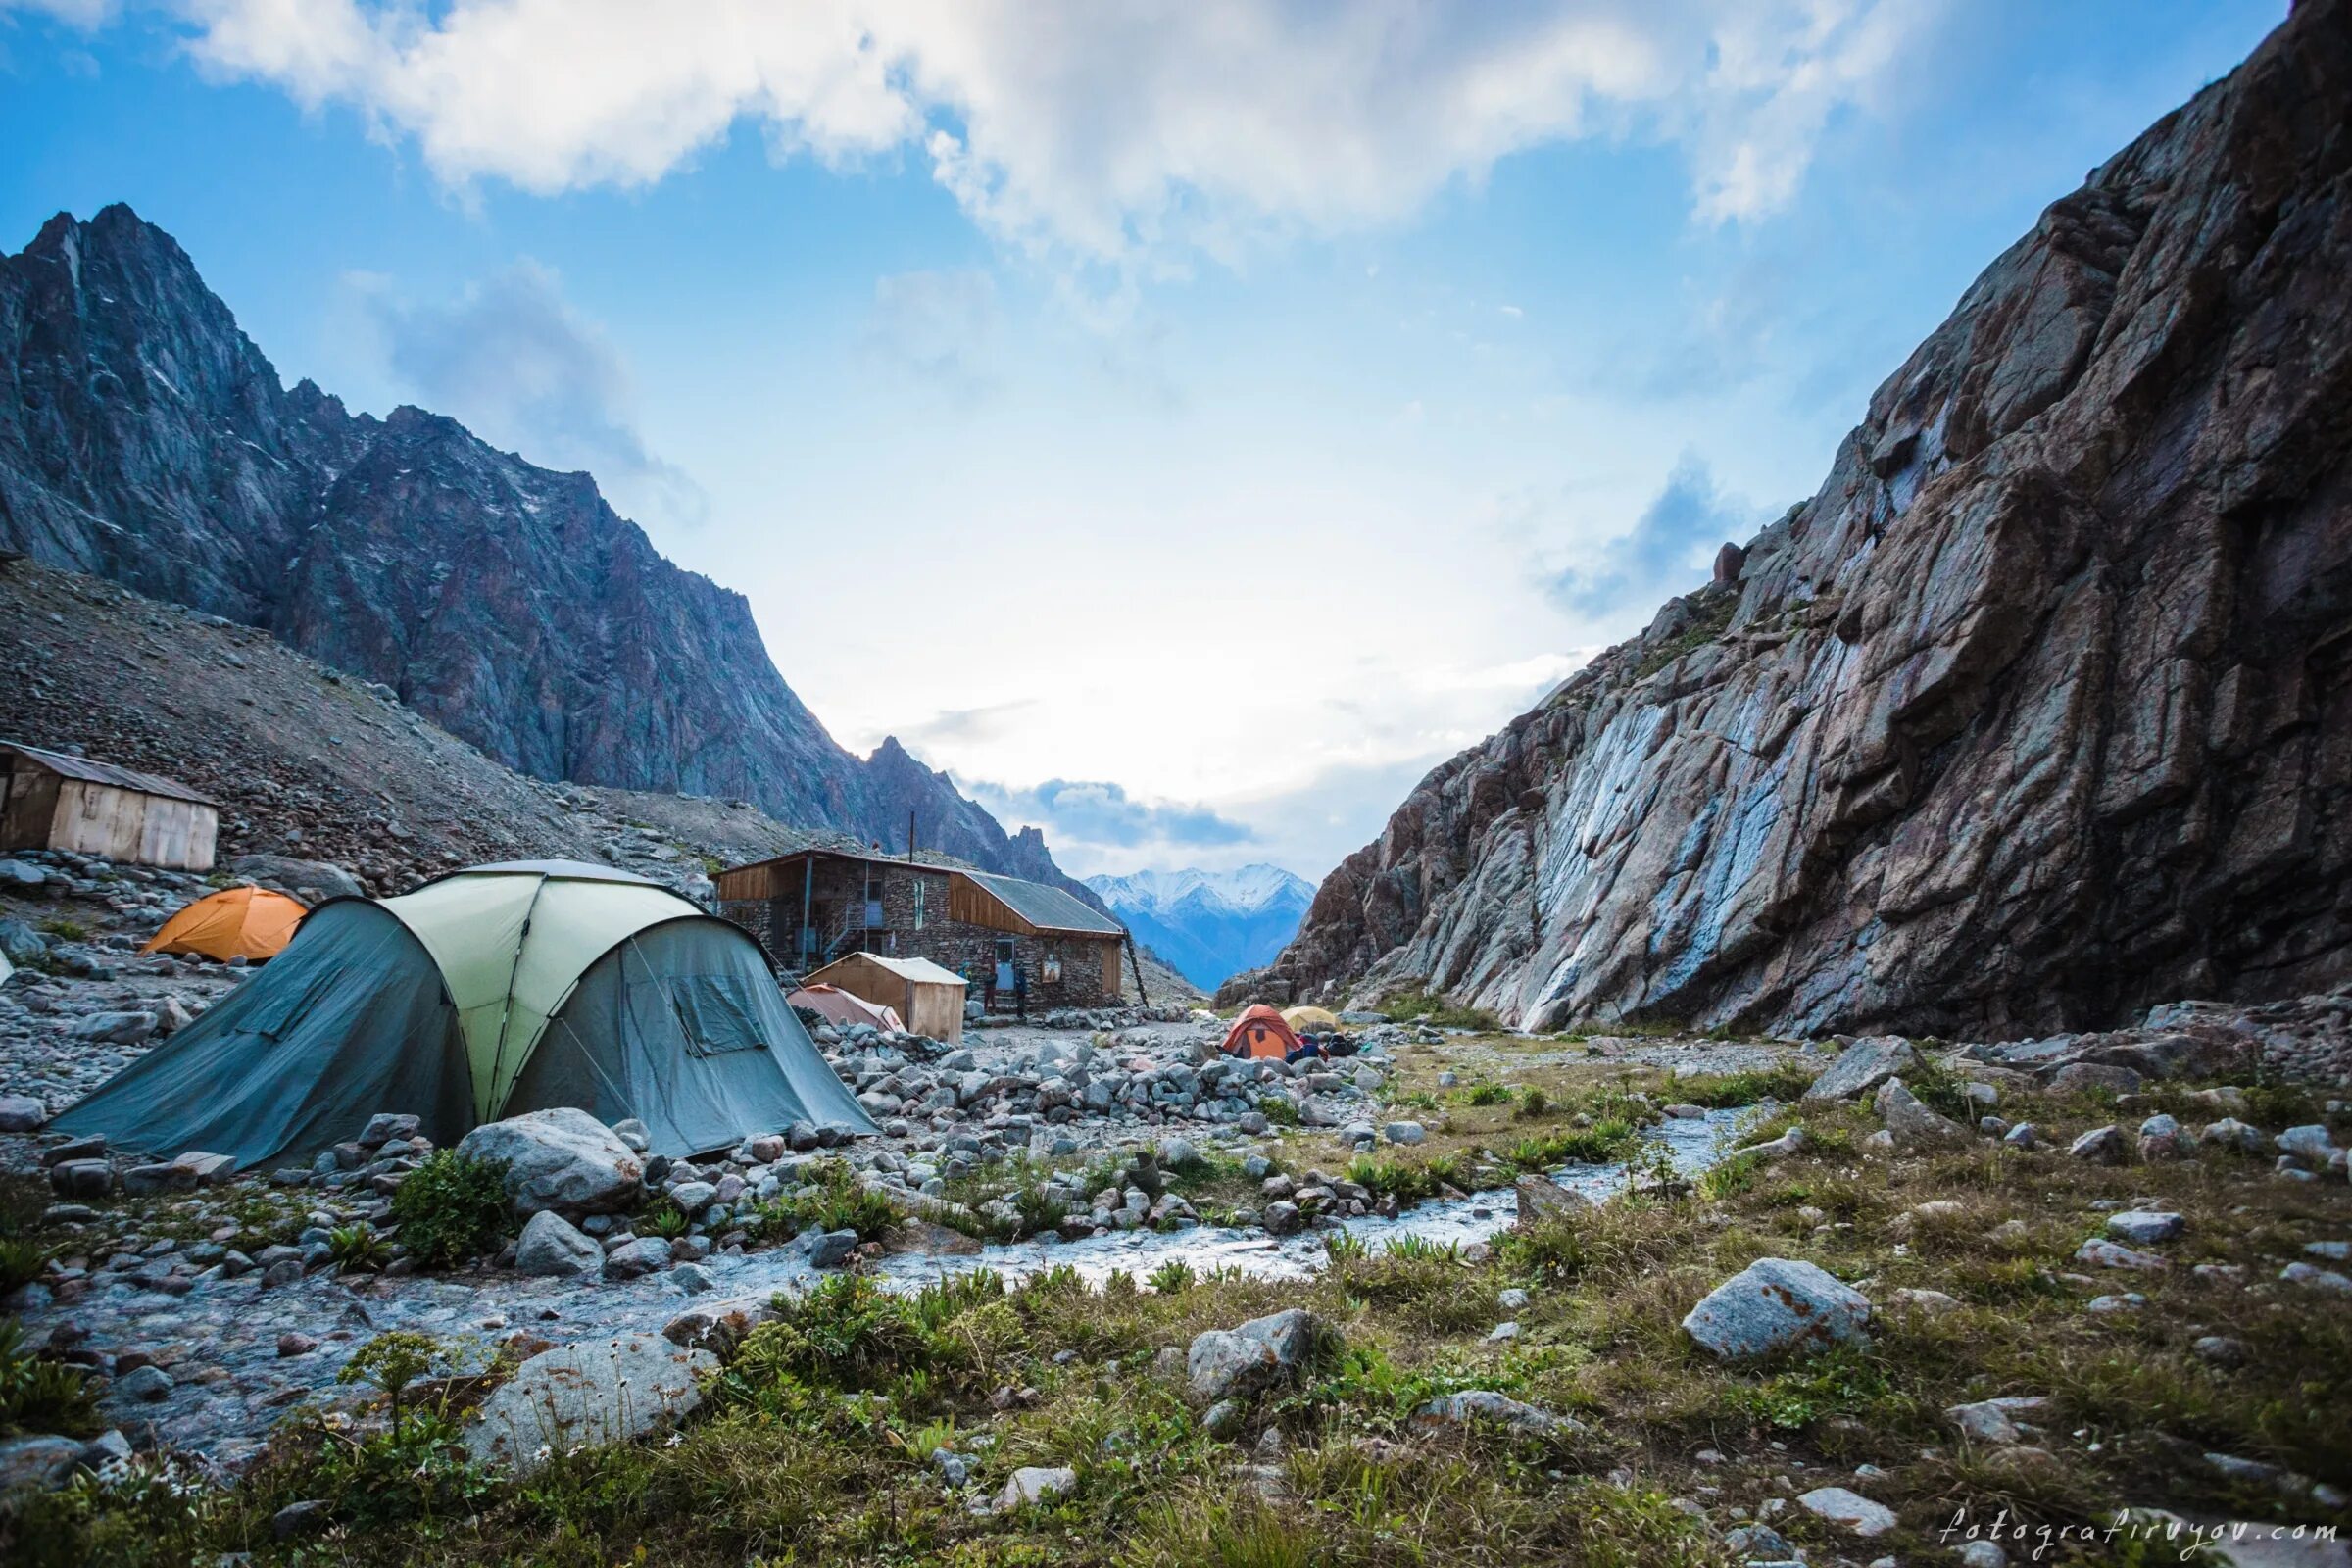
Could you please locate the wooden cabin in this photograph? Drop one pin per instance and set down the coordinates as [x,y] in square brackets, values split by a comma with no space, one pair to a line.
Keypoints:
[56,800]
[928,999]
[1018,945]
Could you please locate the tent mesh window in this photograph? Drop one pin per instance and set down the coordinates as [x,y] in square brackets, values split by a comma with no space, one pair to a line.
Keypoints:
[715,1012]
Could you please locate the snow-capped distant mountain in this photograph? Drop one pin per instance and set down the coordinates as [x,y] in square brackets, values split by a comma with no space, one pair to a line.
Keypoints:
[1209,925]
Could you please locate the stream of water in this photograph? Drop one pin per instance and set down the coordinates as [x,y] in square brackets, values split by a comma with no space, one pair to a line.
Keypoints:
[221,1342]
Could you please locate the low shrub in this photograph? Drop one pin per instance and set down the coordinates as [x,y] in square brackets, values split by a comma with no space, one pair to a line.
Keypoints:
[1610,1138]
[452,1207]
[836,1201]
[1784,1081]
[1419,1006]
[357,1248]
[37,1394]
[21,1262]
[1407,1181]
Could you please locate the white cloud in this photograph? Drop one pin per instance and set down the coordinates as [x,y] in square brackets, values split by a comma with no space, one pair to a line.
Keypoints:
[938,326]
[83,14]
[1119,133]
[512,360]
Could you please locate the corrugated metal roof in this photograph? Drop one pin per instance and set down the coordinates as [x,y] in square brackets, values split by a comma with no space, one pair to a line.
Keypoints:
[920,969]
[122,778]
[1047,908]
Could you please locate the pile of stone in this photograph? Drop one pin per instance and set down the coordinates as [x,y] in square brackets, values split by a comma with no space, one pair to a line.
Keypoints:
[2308,1038]
[1093,1019]
[2119,1063]
[924,1092]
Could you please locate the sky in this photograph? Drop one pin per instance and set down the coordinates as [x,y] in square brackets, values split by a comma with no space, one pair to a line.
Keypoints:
[1185,422]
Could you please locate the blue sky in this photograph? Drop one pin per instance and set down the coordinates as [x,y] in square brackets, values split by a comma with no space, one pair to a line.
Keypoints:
[1293,392]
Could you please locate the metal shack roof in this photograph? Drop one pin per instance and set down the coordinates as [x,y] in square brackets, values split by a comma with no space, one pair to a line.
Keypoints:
[1047,908]
[67,764]
[922,970]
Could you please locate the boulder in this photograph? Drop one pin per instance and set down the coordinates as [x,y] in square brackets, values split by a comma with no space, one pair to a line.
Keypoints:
[718,1327]
[2107,1255]
[828,1249]
[2077,1076]
[2235,1136]
[20,1113]
[36,1461]
[2144,1227]
[113,1028]
[1036,1484]
[298,1519]
[1849,1511]
[1777,1304]
[2101,1145]
[312,881]
[1910,1121]
[2309,1143]
[1986,1421]
[640,1255]
[597,1393]
[1864,1065]
[1405,1132]
[82,1178]
[1792,1142]
[1485,1406]
[207,1169]
[146,1384]
[1177,1154]
[21,943]
[387,1125]
[1242,1361]
[552,1248]
[142,1181]
[560,1158]
[1541,1198]
[2162,1138]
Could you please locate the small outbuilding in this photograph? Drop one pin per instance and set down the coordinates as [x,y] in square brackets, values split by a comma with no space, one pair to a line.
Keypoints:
[929,998]
[239,922]
[57,800]
[836,1006]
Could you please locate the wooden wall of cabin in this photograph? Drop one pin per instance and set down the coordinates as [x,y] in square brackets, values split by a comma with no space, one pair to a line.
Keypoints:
[29,818]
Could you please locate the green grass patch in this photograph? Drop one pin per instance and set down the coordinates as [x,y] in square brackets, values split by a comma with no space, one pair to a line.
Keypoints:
[452,1207]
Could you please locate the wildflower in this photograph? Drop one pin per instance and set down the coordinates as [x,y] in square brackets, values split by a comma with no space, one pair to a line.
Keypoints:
[675,1437]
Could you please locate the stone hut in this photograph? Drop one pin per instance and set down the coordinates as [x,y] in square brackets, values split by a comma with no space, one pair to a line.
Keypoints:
[1019,945]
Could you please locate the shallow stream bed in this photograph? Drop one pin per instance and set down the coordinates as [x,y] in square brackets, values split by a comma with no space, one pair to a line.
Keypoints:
[220,1342]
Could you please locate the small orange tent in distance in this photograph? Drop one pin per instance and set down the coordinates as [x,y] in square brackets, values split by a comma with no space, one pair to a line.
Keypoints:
[251,921]
[1259,1032]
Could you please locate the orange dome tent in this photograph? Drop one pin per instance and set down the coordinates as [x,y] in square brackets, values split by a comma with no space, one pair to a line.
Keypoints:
[248,920]
[1259,1032]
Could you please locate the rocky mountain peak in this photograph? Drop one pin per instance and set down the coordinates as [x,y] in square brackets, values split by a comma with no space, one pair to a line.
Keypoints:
[2038,712]
[151,443]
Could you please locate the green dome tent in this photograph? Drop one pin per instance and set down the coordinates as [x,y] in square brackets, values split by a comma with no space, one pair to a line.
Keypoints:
[482,995]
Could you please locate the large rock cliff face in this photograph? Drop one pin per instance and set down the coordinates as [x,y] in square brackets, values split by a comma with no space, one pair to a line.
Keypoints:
[143,438]
[2040,712]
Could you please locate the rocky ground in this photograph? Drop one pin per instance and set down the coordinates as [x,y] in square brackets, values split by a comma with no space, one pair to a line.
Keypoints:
[311,763]
[2049,1277]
